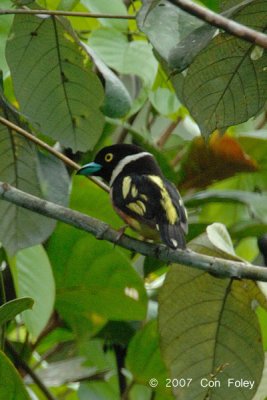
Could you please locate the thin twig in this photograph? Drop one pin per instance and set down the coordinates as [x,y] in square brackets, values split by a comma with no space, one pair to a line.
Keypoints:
[50,149]
[230,26]
[167,133]
[65,13]
[21,363]
[101,230]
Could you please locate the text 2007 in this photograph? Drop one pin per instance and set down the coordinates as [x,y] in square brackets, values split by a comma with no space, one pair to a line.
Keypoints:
[174,383]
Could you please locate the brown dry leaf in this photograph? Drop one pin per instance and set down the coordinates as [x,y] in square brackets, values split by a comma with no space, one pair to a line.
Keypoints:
[218,159]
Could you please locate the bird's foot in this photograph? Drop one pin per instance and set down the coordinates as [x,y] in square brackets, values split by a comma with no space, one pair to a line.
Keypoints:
[121,232]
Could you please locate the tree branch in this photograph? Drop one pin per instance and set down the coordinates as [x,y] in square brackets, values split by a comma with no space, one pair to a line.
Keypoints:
[65,13]
[230,26]
[223,268]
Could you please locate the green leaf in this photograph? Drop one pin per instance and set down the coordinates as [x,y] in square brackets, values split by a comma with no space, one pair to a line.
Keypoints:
[144,359]
[227,82]
[53,82]
[115,7]
[117,101]
[164,101]
[99,283]
[178,41]
[10,309]
[21,167]
[216,239]
[151,16]
[54,179]
[182,55]
[209,329]
[125,57]
[11,385]
[33,277]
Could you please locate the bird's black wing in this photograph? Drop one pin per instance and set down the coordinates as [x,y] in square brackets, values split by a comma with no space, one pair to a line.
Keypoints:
[138,197]
[173,229]
[155,202]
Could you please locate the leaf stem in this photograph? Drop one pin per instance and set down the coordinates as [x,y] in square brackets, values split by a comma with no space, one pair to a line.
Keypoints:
[64,13]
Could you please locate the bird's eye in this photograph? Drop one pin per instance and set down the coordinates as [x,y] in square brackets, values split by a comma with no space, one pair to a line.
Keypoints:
[108,157]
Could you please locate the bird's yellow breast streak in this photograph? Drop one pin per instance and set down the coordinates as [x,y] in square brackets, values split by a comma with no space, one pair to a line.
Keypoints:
[166,200]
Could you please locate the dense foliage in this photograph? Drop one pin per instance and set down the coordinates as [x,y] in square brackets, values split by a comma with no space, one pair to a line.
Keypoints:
[81,319]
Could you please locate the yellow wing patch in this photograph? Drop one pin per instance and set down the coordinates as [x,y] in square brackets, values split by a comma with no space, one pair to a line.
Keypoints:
[134,191]
[138,207]
[126,185]
[166,200]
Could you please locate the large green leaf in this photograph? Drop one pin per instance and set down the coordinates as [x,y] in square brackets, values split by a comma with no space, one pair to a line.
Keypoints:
[179,40]
[227,82]
[53,82]
[11,385]
[125,57]
[10,309]
[22,167]
[209,329]
[53,179]
[153,15]
[33,277]
[99,283]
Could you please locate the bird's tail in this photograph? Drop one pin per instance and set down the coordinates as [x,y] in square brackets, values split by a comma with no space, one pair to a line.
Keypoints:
[172,234]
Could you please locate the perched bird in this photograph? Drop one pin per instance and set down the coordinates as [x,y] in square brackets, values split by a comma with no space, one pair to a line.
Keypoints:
[140,194]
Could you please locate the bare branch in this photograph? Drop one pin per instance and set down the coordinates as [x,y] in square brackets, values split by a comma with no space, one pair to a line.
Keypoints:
[222,268]
[64,13]
[230,26]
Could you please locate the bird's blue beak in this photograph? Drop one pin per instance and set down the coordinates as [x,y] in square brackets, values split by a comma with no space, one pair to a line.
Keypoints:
[89,169]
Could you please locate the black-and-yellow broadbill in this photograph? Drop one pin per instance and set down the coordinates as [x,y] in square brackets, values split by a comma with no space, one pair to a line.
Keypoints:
[140,194]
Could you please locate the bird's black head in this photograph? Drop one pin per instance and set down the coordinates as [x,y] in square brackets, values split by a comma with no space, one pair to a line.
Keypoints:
[107,159]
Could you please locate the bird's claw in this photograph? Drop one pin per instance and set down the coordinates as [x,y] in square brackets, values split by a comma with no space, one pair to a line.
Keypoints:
[120,232]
